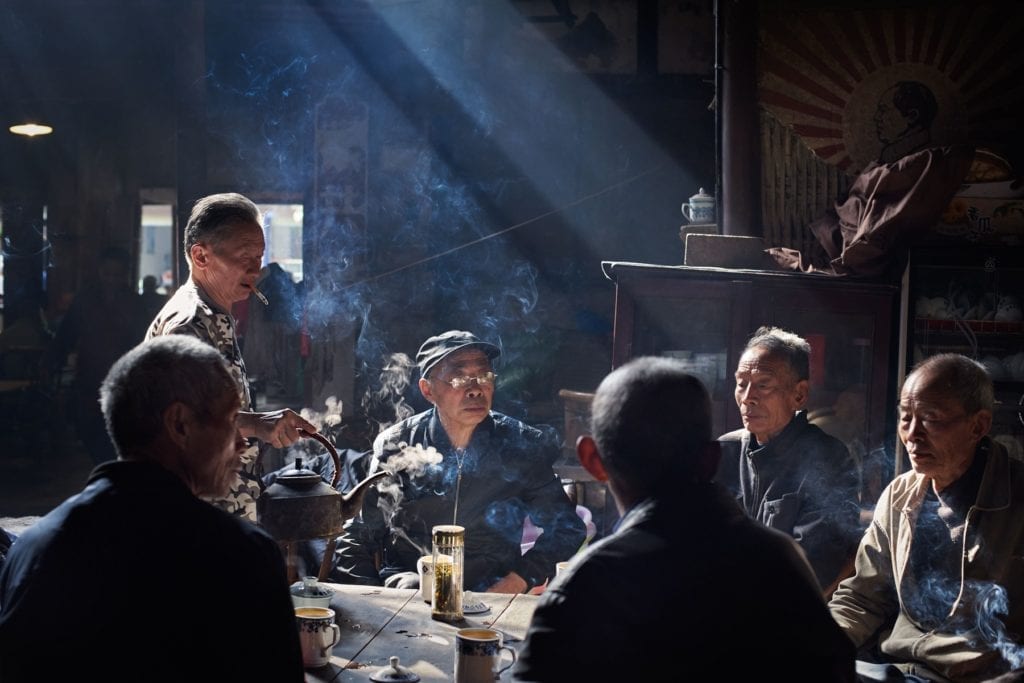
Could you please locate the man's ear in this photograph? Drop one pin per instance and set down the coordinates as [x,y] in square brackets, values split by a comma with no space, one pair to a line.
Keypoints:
[981,423]
[707,461]
[178,423]
[425,389]
[199,255]
[586,451]
[801,392]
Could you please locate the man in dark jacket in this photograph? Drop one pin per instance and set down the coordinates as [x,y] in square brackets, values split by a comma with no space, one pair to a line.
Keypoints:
[687,583]
[136,578]
[461,463]
[786,472]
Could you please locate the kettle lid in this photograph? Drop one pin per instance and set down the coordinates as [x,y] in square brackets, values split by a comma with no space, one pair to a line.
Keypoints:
[299,477]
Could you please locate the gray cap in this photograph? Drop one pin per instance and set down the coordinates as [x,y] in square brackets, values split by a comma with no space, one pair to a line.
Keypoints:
[437,348]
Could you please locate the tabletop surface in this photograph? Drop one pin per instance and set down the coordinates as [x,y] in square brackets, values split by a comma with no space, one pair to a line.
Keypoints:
[378,623]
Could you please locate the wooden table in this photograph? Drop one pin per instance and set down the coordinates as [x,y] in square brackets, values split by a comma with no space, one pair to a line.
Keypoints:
[378,623]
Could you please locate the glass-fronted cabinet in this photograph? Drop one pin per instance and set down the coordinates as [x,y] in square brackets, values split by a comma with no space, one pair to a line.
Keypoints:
[968,300]
[704,316]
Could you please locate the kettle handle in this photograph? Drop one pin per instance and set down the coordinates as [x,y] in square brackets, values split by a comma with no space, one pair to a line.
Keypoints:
[330,449]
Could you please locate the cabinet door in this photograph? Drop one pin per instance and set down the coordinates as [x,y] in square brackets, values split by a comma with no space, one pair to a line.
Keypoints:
[693,319]
[968,301]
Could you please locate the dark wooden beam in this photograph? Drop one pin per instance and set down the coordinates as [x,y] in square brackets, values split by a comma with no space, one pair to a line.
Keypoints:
[740,200]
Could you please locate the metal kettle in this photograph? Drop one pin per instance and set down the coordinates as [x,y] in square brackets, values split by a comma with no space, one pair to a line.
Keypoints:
[301,506]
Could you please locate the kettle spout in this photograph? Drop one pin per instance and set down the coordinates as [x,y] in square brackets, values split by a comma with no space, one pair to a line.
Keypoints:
[352,502]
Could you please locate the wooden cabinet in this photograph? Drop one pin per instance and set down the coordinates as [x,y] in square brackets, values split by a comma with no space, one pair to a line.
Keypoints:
[967,299]
[704,317]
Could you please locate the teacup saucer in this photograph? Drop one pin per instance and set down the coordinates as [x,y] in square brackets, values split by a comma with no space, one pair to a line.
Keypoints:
[473,605]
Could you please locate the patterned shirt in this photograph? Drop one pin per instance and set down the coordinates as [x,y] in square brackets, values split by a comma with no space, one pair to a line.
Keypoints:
[190,311]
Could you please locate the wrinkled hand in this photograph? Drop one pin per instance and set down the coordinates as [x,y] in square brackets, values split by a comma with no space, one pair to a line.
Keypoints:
[279,428]
[510,583]
[403,580]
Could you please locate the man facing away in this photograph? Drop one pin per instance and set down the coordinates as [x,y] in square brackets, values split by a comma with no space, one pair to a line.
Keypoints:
[687,582]
[137,578]
[938,592]
[224,247]
[785,472]
[473,467]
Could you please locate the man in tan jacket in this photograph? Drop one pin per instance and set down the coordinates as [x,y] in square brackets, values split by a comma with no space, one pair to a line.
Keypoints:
[938,592]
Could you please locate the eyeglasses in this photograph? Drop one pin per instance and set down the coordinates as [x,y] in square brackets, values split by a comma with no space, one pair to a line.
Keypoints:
[484,380]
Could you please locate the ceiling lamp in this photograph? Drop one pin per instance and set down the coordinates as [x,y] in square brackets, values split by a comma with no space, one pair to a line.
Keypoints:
[31,129]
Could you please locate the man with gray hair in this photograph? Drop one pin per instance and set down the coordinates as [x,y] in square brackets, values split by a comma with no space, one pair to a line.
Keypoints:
[147,581]
[938,592]
[785,472]
[224,247]
[686,582]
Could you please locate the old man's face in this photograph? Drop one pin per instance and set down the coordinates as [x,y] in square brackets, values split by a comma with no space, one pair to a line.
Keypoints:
[463,408]
[939,434]
[768,393]
[232,266]
[215,448]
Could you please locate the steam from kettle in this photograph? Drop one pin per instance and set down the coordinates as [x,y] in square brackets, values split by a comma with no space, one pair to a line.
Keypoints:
[413,461]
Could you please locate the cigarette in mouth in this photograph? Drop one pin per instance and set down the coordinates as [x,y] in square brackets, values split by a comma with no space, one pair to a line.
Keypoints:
[260,295]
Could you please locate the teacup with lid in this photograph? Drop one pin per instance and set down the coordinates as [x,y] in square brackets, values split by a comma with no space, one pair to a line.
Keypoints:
[700,208]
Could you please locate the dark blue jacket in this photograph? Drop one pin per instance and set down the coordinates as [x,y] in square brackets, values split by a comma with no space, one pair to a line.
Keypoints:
[803,483]
[506,474]
[136,579]
[682,586]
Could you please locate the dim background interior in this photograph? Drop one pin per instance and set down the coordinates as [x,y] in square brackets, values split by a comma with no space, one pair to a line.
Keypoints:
[451,165]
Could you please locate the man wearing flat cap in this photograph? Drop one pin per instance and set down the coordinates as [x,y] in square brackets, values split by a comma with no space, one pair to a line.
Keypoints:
[461,463]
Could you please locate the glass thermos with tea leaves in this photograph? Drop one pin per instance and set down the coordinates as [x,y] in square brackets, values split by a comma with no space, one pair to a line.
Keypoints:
[449,541]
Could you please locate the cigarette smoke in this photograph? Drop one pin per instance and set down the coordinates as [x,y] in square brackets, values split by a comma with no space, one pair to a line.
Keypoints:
[992,601]
[385,404]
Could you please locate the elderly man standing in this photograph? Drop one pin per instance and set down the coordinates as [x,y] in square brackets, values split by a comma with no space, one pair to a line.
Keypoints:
[687,583]
[462,463]
[786,472]
[224,248]
[938,592]
[136,578]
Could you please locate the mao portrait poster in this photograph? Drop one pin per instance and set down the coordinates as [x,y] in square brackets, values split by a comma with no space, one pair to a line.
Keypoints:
[867,85]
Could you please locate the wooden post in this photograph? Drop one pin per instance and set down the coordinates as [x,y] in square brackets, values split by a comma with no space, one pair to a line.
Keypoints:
[190,91]
[740,201]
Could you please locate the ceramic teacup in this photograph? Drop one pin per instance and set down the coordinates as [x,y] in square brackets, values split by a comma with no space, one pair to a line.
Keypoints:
[478,655]
[318,634]
[425,568]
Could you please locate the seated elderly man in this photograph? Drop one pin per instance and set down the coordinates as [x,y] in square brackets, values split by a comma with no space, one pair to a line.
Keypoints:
[687,583]
[461,463]
[785,472]
[136,578]
[938,592]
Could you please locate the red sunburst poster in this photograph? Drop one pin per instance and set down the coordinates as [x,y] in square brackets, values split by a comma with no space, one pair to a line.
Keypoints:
[867,85]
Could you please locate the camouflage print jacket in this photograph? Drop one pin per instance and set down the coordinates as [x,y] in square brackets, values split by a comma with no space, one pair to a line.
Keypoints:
[190,311]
